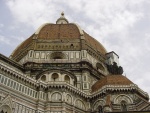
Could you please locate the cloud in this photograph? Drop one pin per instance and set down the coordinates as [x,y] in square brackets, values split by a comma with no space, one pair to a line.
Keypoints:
[1,25]
[105,14]
[11,41]
[33,12]
[4,40]
[120,25]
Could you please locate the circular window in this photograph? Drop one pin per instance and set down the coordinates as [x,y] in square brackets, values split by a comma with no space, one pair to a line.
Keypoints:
[55,77]
[43,78]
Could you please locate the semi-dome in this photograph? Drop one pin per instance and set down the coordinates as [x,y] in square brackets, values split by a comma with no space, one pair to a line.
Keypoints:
[60,36]
[111,80]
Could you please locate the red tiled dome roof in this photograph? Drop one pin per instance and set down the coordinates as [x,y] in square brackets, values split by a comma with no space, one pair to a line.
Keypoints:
[111,80]
[62,30]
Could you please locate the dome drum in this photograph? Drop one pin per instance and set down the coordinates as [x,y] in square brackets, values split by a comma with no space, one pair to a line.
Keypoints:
[67,37]
[63,67]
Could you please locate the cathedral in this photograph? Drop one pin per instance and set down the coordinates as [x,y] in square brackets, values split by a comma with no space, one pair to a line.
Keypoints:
[62,69]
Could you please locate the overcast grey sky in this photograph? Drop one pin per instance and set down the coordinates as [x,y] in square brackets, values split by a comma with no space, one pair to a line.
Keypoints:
[122,26]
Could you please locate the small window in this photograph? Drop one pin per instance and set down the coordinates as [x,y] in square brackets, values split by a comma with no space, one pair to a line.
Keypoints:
[67,79]
[85,86]
[55,77]
[43,78]
[123,106]
[100,109]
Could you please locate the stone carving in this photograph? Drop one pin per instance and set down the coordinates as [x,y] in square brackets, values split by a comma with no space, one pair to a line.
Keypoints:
[98,103]
[7,105]
[121,98]
[80,104]
[114,69]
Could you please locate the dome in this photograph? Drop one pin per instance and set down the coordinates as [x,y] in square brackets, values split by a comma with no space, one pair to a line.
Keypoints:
[55,36]
[111,80]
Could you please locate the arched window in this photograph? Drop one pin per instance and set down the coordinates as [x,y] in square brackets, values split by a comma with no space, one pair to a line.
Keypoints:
[67,79]
[55,77]
[56,97]
[2,111]
[123,106]
[57,55]
[100,109]
[80,104]
[68,99]
[43,78]
[5,109]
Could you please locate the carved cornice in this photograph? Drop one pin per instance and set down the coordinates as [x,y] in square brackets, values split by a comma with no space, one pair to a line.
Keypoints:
[11,62]
[46,85]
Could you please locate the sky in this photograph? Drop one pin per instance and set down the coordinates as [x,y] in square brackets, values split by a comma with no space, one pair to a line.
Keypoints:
[122,26]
